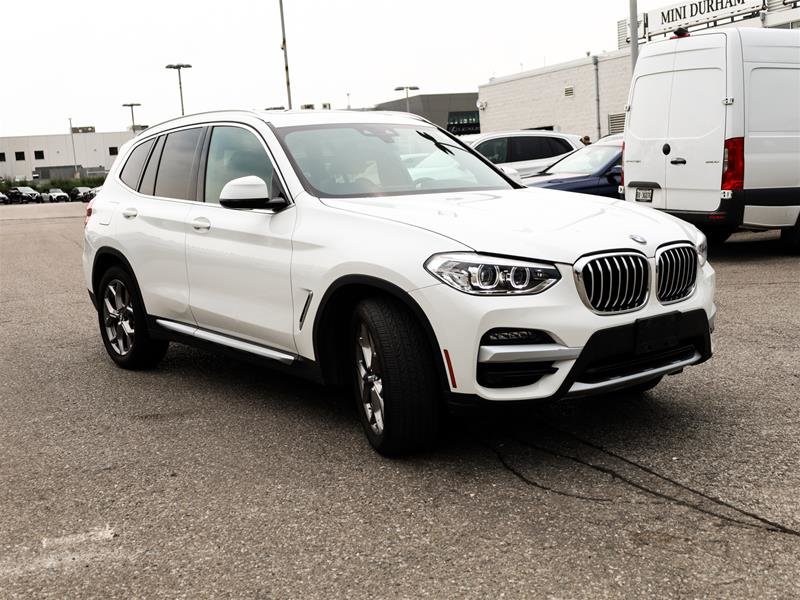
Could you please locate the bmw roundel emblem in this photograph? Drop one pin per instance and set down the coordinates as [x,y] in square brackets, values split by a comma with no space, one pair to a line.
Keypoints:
[639,239]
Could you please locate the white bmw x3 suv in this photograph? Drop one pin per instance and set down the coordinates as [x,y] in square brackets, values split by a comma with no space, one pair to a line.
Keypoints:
[376,250]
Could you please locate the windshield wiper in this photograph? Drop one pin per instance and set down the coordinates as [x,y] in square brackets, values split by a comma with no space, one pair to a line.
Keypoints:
[440,145]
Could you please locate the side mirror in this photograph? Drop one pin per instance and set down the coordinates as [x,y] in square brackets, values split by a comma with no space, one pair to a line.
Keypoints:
[615,171]
[511,173]
[250,192]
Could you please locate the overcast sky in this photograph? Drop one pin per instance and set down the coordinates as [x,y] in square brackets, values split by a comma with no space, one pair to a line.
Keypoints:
[84,58]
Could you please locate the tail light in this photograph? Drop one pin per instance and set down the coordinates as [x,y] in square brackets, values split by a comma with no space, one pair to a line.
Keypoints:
[88,212]
[733,164]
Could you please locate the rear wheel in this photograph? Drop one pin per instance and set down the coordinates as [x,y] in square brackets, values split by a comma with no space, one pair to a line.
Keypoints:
[394,378]
[123,323]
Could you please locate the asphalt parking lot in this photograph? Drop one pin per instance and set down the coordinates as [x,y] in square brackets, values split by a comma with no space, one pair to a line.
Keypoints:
[210,478]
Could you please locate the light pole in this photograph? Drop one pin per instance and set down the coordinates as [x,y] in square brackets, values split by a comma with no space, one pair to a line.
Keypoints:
[178,67]
[285,57]
[133,121]
[406,88]
[74,160]
[348,100]
[634,19]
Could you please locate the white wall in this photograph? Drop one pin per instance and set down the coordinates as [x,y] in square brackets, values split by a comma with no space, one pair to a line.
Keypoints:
[91,150]
[536,98]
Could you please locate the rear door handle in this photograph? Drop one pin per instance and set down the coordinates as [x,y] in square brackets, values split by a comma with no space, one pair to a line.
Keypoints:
[201,224]
[130,213]
[678,161]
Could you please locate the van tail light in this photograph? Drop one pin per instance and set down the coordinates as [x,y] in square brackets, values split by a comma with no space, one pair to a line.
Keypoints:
[88,212]
[733,164]
[622,164]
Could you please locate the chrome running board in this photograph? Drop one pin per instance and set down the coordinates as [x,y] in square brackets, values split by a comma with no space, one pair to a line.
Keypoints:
[225,340]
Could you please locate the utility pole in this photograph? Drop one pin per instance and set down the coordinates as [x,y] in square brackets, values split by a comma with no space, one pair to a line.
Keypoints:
[634,32]
[74,160]
[348,100]
[133,121]
[596,64]
[285,57]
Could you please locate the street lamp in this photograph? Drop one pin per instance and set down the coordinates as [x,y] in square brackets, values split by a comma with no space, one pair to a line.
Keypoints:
[178,67]
[285,57]
[74,158]
[133,121]
[406,88]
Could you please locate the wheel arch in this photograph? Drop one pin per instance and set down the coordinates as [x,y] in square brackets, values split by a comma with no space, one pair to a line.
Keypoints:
[105,258]
[333,316]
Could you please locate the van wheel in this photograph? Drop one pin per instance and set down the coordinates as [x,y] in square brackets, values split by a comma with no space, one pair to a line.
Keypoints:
[394,378]
[717,237]
[123,323]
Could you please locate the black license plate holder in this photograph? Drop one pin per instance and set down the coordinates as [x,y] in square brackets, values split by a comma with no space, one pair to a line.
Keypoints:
[657,333]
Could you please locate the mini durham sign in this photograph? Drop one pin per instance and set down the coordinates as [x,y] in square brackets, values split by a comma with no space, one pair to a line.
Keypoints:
[697,12]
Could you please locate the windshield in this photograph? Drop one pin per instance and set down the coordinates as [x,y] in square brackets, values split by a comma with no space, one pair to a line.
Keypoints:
[585,161]
[369,159]
[56,191]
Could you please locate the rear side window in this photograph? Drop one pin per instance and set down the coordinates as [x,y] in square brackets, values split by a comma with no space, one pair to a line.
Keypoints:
[133,166]
[529,148]
[559,146]
[174,179]
[233,153]
[495,150]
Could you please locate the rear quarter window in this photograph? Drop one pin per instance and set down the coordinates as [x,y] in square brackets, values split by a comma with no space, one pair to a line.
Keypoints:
[133,166]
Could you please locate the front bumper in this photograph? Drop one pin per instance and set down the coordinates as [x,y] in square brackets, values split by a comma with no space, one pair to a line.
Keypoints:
[589,353]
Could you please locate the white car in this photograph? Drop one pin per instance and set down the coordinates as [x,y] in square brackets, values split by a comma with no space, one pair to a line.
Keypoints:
[713,137]
[528,152]
[310,240]
[55,195]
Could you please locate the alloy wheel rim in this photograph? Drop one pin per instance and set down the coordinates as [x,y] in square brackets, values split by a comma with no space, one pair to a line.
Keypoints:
[118,317]
[370,382]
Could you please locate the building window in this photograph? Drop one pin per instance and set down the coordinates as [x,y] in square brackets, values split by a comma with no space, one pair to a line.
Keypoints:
[38,154]
[2,157]
[113,150]
[19,155]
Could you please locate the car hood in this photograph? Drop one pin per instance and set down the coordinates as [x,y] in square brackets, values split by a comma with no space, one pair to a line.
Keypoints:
[533,222]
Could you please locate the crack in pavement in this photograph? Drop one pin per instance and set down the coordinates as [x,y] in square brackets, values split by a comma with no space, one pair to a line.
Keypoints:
[765,523]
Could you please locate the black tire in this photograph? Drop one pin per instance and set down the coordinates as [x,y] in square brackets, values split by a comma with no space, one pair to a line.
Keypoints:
[404,364]
[641,388]
[790,239]
[141,351]
[717,237]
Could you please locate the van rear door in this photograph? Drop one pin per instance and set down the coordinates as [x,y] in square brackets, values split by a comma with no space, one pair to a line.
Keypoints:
[696,124]
[646,128]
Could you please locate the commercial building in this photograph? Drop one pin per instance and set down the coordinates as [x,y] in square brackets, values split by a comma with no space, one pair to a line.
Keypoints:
[588,96]
[51,156]
[457,113]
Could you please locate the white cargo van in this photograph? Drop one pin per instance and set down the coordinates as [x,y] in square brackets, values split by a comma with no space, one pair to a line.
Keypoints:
[712,132]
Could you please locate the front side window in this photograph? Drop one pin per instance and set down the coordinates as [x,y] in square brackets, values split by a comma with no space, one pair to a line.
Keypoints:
[233,153]
[174,178]
[495,150]
[371,159]
[529,148]
[133,167]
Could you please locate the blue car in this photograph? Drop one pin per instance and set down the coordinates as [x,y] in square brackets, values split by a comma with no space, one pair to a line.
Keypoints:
[595,169]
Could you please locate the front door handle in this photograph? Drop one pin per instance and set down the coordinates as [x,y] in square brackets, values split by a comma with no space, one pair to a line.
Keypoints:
[678,161]
[201,224]
[130,213]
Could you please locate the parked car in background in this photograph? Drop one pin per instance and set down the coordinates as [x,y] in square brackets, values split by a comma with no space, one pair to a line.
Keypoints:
[595,169]
[528,152]
[24,195]
[55,195]
[3,198]
[714,136]
[90,195]
[78,193]
[310,240]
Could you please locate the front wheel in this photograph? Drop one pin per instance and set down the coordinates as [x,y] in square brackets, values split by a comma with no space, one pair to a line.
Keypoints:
[395,378]
[123,323]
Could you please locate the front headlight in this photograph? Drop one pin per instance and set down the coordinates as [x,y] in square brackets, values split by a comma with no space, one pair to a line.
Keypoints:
[491,276]
[702,250]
